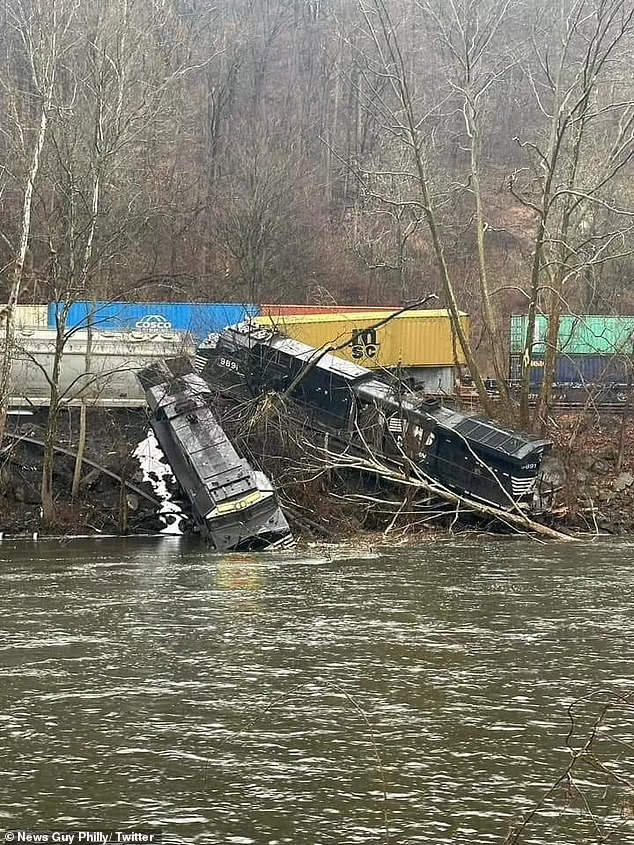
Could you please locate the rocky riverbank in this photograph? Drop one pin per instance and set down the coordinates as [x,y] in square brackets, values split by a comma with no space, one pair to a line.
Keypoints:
[592,466]
[105,503]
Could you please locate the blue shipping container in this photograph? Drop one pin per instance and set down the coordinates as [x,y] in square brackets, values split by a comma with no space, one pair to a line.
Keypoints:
[197,319]
[577,369]
[591,369]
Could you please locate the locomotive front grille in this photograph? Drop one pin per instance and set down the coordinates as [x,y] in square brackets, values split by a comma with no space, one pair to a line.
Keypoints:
[522,486]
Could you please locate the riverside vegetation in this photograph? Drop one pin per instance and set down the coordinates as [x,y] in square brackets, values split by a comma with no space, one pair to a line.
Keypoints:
[594,481]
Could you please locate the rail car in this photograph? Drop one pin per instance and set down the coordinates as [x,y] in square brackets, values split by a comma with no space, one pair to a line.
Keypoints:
[608,397]
[470,455]
[234,505]
[109,379]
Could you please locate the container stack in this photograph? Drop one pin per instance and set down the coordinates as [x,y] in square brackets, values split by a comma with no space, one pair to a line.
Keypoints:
[591,349]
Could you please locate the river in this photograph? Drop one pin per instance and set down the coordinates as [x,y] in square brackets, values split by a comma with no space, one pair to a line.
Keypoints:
[244,699]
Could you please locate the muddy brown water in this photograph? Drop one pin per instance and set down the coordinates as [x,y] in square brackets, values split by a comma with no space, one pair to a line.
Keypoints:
[242,698]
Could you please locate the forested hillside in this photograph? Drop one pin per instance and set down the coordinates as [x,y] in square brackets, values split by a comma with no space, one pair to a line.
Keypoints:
[318,150]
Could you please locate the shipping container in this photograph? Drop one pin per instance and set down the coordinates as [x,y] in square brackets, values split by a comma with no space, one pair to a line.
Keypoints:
[412,339]
[272,310]
[578,335]
[116,357]
[576,369]
[31,316]
[154,318]
[591,369]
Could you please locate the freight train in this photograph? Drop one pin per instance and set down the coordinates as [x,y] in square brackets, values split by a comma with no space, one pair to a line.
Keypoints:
[234,505]
[594,360]
[470,455]
[418,345]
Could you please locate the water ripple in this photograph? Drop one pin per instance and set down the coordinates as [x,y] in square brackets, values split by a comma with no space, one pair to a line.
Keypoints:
[243,699]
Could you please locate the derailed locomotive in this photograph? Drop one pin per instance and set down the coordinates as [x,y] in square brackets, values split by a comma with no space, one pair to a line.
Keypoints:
[470,455]
[234,505]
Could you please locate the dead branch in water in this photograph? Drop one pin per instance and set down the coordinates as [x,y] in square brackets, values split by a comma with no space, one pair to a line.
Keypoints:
[575,784]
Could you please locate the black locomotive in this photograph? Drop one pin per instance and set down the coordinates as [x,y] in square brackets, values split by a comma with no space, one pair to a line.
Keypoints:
[234,505]
[470,455]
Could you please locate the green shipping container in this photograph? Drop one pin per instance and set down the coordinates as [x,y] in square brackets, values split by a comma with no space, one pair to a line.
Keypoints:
[578,335]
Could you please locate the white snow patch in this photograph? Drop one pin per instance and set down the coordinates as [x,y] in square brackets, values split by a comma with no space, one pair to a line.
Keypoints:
[157,472]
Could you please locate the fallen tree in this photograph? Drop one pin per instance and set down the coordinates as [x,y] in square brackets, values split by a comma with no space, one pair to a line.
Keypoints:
[418,480]
[279,437]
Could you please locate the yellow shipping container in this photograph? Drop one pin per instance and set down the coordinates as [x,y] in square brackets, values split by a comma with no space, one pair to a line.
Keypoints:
[31,316]
[413,339]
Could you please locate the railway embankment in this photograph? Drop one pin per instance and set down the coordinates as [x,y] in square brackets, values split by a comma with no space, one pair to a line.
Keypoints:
[113,496]
[592,465]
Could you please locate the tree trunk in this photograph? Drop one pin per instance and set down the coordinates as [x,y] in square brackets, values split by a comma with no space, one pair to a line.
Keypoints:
[50,436]
[7,312]
[83,411]
[490,321]
[550,362]
[392,58]
[123,507]
[48,465]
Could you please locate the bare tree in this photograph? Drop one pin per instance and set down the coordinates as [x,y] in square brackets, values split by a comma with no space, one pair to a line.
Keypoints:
[41,30]
[475,37]
[256,221]
[574,80]
[94,148]
[406,179]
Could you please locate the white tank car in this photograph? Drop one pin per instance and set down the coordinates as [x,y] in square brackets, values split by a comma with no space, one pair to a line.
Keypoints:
[111,378]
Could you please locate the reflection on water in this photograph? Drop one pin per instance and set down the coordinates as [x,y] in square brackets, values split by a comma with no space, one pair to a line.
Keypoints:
[236,698]
[241,575]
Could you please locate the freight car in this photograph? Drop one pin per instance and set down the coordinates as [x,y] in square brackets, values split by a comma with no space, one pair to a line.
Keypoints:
[234,505]
[594,361]
[110,379]
[470,455]
[605,397]
[577,370]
